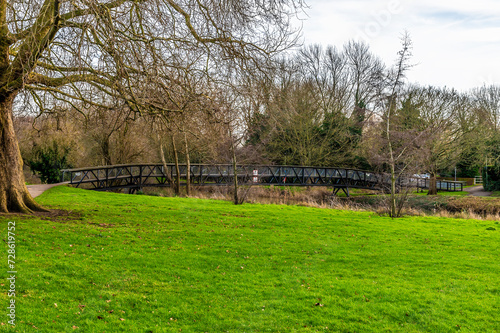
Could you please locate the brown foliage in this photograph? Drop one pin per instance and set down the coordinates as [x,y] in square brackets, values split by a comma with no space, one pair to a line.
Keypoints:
[477,205]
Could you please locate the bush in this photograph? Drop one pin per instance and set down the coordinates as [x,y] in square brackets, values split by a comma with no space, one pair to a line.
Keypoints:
[491,178]
[48,161]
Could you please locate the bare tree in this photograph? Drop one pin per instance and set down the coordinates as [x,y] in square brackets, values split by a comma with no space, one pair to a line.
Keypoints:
[367,72]
[59,52]
[438,109]
[486,102]
[390,146]
[312,107]
[109,130]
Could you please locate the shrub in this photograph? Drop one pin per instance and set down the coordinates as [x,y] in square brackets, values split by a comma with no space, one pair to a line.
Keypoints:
[48,161]
[491,178]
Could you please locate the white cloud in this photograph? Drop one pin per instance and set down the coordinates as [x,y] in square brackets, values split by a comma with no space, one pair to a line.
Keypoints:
[455,42]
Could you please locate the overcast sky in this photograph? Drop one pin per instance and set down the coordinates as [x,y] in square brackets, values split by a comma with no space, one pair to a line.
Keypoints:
[455,43]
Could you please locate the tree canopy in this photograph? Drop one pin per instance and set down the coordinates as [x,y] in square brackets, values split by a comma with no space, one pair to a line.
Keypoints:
[151,55]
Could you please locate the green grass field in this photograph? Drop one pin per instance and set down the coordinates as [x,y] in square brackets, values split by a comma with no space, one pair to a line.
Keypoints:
[124,263]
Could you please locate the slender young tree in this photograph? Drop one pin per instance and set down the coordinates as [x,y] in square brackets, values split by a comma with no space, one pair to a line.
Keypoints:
[394,146]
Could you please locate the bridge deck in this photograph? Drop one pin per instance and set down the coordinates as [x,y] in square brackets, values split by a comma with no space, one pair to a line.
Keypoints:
[136,176]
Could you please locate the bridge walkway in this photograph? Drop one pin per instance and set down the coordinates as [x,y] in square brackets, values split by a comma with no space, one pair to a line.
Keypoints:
[137,176]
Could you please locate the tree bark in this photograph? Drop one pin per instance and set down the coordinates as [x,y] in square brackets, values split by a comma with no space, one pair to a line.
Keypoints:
[235,182]
[106,154]
[393,191]
[235,173]
[14,195]
[177,187]
[433,185]
[165,166]
[188,166]
[392,163]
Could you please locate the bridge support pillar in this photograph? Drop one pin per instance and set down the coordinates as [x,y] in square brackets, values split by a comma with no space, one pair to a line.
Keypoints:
[345,189]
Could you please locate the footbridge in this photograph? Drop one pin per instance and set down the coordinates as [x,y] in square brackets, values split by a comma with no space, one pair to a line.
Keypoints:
[136,176]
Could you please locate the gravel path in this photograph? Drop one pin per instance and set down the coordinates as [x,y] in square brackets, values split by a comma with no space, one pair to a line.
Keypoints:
[36,190]
[477,191]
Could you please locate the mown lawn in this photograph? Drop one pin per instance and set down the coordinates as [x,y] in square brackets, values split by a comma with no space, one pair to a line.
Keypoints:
[123,263]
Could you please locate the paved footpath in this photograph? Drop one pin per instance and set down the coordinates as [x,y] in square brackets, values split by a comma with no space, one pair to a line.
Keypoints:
[36,190]
[477,191]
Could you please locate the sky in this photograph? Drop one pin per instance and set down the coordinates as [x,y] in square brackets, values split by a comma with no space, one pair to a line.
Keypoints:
[456,43]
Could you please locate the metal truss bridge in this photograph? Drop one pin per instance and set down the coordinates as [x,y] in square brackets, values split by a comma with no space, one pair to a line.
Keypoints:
[136,176]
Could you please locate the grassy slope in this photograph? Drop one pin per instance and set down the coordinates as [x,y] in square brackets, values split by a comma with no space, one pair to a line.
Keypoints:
[165,264]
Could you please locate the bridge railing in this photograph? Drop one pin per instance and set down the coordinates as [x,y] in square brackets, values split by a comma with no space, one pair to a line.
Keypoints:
[136,176]
[443,185]
[205,174]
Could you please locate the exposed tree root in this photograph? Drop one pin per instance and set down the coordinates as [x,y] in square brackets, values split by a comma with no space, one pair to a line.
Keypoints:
[15,201]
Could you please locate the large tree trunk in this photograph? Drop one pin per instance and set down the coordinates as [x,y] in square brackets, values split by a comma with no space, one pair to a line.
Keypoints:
[14,195]
[433,185]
